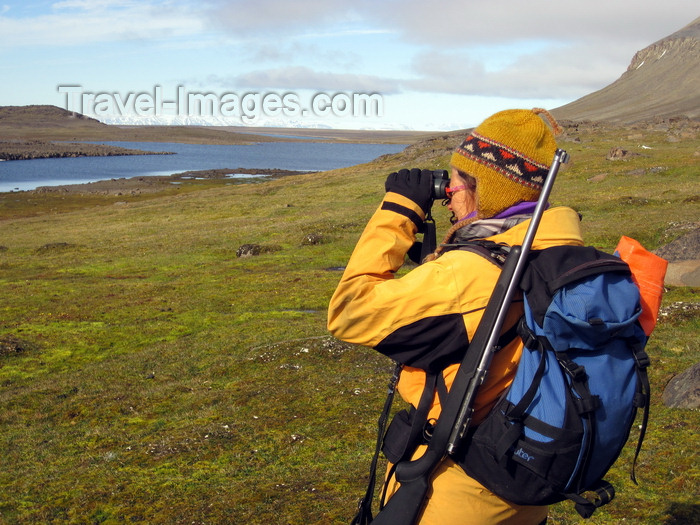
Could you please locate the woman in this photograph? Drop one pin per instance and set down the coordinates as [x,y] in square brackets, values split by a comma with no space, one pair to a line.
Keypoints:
[426,319]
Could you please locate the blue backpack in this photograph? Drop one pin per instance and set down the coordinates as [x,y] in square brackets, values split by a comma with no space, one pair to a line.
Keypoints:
[582,376]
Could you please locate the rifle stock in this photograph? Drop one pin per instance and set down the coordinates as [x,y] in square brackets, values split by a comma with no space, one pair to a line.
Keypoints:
[404,507]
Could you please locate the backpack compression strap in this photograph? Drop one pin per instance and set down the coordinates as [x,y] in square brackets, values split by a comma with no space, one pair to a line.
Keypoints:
[642,399]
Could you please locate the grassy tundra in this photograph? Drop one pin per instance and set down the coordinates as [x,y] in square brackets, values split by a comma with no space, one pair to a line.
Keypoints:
[149,375]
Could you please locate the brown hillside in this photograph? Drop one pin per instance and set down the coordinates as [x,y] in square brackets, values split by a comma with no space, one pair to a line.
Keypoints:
[37,116]
[662,81]
[51,123]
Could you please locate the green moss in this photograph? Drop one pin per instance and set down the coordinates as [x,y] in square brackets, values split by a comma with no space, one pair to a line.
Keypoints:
[166,380]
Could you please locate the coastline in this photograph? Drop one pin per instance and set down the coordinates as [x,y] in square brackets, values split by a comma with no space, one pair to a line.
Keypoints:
[38,149]
[141,185]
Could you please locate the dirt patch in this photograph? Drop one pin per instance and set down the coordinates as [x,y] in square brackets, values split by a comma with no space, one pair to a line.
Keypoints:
[11,345]
[54,247]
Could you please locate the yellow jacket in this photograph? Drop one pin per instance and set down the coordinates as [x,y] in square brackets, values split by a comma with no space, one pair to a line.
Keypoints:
[426,318]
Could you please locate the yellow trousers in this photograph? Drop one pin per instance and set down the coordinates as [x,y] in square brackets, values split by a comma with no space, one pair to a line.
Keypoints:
[456,499]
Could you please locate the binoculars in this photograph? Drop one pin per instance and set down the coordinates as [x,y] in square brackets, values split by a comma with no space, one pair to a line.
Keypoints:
[441,180]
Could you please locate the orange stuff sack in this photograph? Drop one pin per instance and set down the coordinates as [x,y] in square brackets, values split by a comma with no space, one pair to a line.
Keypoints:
[648,272]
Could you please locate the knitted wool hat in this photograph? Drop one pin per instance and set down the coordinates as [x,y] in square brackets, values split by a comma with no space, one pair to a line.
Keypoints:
[509,156]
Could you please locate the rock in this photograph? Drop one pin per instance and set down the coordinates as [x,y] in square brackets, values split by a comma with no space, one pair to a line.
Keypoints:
[683,256]
[311,239]
[617,154]
[598,178]
[683,273]
[249,250]
[684,248]
[683,391]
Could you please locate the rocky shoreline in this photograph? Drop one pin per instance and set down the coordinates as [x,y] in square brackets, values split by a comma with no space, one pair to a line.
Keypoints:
[153,184]
[36,149]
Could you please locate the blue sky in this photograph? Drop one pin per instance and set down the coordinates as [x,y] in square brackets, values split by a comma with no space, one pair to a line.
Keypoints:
[432,65]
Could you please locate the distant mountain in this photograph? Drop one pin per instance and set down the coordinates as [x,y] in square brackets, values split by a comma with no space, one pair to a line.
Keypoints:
[261,122]
[17,121]
[662,81]
[172,120]
[22,124]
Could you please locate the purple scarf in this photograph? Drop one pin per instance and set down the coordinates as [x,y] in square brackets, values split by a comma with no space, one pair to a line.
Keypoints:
[522,208]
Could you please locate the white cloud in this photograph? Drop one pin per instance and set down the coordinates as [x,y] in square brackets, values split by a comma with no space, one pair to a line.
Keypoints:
[546,49]
[282,17]
[561,72]
[300,77]
[454,22]
[91,5]
[82,22]
[508,50]
[459,22]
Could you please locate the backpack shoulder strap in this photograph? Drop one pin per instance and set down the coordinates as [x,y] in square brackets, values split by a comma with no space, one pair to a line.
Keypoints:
[495,253]
[491,251]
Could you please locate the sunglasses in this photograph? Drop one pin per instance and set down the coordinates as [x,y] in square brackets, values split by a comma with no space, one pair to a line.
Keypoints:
[450,191]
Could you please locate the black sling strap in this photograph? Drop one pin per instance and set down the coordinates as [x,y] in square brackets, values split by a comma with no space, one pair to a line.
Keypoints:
[364,507]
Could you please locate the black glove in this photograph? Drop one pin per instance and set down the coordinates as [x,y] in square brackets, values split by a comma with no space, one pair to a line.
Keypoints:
[414,184]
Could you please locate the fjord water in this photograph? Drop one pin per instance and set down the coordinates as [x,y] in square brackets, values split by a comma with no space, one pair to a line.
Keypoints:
[300,156]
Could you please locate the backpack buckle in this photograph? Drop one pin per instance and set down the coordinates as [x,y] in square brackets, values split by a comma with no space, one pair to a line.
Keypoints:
[527,335]
[587,405]
[428,429]
[574,370]
[642,359]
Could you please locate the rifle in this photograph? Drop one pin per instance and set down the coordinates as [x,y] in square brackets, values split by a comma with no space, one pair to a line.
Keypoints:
[405,505]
